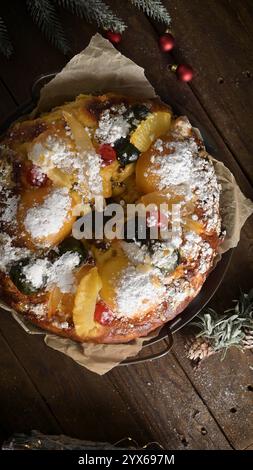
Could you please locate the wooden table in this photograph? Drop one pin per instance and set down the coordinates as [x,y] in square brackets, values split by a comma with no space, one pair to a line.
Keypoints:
[167,400]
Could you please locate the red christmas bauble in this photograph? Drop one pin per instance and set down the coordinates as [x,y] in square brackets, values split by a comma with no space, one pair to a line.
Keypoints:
[103,314]
[166,42]
[184,72]
[115,38]
[36,177]
[107,153]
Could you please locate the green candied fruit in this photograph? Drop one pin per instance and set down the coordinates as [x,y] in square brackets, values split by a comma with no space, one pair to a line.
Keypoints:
[18,278]
[135,114]
[74,246]
[126,152]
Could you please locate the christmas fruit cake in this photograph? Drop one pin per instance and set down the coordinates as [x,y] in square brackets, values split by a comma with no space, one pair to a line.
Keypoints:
[125,151]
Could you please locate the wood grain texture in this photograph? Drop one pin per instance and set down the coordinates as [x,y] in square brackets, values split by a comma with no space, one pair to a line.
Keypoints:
[86,405]
[166,400]
[112,407]
[162,397]
[21,406]
[215,37]
[225,388]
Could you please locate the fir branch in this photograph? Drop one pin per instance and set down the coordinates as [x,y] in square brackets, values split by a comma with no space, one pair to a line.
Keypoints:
[154,9]
[95,10]
[6,47]
[44,15]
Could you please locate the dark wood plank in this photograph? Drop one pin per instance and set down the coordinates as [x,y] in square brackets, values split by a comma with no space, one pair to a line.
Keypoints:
[86,405]
[215,37]
[140,43]
[112,407]
[34,55]
[226,386]
[8,105]
[147,403]
[21,406]
[164,400]
[240,272]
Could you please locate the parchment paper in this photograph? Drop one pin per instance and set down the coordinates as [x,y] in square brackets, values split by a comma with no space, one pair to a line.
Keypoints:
[101,68]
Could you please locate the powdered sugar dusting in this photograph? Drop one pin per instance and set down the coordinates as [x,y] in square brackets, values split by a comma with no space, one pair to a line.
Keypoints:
[83,167]
[49,217]
[61,272]
[41,273]
[9,253]
[190,249]
[174,167]
[180,165]
[112,125]
[207,190]
[9,209]
[39,310]
[35,272]
[93,163]
[137,291]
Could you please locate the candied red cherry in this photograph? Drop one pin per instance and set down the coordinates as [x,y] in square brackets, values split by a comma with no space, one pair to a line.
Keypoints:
[107,153]
[36,177]
[103,314]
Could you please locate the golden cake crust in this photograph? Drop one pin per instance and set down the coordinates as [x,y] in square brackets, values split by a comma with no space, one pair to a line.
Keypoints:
[143,180]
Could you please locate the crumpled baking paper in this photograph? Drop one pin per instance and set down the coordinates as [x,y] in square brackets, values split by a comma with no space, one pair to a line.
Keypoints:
[100,68]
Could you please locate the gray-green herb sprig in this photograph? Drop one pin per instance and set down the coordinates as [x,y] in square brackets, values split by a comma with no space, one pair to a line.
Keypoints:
[218,332]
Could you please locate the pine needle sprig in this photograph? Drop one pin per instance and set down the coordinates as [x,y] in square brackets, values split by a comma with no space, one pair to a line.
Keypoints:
[44,15]
[155,9]
[6,47]
[233,328]
[95,10]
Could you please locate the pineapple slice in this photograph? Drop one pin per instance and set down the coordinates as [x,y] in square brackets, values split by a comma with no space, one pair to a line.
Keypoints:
[83,144]
[54,300]
[63,302]
[60,303]
[85,304]
[107,174]
[81,136]
[101,256]
[112,175]
[41,153]
[122,173]
[110,273]
[129,193]
[193,225]
[60,178]
[155,125]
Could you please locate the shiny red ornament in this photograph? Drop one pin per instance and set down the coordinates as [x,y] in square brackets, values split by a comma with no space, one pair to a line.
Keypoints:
[36,177]
[103,314]
[166,42]
[184,72]
[107,153]
[115,38]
